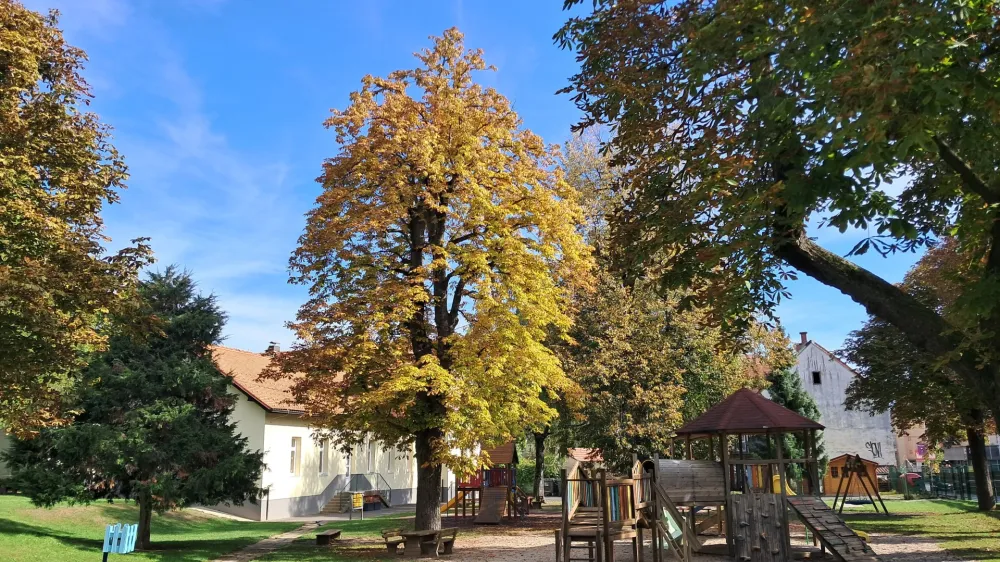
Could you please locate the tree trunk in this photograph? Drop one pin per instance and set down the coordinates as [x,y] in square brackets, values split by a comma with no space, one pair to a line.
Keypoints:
[428,514]
[145,518]
[980,465]
[539,461]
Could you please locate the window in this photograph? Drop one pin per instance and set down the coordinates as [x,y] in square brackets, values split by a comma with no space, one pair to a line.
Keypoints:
[817,377]
[296,458]
[833,472]
[324,446]
[371,456]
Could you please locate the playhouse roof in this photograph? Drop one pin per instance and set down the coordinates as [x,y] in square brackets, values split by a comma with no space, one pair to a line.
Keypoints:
[584,454]
[745,411]
[504,454]
[841,459]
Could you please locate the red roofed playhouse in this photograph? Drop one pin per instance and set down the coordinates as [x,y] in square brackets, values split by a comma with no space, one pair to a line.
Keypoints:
[723,469]
[491,493]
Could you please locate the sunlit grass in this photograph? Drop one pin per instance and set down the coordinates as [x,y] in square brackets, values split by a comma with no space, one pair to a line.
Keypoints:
[76,534]
[956,525]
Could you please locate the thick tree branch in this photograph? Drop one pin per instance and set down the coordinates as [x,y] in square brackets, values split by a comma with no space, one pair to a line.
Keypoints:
[970,179]
[921,325]
[456,303]
[467,236]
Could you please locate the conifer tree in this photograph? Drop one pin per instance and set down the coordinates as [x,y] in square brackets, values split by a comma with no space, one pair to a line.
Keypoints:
[153,423]
[786,389]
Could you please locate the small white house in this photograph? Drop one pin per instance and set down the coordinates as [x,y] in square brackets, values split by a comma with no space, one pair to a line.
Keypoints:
[825,378]
[301,475]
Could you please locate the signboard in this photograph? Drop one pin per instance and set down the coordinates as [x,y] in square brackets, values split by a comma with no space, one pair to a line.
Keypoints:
[119,539]
[357,504]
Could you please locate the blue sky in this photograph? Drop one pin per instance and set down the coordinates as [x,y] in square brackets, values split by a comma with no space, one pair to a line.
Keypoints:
[218,107]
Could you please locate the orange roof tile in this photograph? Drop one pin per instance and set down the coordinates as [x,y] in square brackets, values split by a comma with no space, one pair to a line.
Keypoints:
[584,454]
[244,367]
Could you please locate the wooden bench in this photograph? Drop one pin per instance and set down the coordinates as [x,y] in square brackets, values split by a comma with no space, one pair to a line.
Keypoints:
[443,543]
[393,539]
[324,538]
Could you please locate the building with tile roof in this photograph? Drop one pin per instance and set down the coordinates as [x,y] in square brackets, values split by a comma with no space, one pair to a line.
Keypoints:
[303,476]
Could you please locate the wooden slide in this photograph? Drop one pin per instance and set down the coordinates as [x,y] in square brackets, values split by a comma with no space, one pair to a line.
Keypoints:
[494,502]
[830,529]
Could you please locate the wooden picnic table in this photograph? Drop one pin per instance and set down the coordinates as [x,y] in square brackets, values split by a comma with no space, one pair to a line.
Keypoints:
[414,540]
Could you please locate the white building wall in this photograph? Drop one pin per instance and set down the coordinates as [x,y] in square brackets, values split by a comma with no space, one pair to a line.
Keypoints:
[397,468]
[249,418]
[847,431]
[307,491]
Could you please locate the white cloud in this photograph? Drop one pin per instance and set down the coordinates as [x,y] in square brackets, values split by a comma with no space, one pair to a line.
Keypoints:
[227,214]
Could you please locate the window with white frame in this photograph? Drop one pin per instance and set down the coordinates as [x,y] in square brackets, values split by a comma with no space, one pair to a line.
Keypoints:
[324,448]
[371,456]
[295,466]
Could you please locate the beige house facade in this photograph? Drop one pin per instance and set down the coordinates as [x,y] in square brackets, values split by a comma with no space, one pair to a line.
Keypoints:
[302,475]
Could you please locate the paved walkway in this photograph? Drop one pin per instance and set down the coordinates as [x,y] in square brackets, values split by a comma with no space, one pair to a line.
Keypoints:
[267,545]
[405,509]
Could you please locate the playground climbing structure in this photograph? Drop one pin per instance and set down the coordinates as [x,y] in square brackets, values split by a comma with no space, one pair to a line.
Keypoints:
[490,494]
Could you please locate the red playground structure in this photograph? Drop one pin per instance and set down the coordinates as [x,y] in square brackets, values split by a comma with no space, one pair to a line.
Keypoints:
[490,494]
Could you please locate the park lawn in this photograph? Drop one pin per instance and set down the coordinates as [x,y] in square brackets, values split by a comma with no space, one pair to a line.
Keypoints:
[76,534]
[954,524]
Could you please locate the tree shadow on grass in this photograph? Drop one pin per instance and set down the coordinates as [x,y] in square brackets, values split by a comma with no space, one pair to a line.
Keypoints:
[10,527]
[175,538]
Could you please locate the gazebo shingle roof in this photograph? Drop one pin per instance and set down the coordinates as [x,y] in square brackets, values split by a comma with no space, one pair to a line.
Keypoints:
[745,411]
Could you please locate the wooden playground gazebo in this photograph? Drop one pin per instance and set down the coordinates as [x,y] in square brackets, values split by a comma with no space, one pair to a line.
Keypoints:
[737,432]
[726,468]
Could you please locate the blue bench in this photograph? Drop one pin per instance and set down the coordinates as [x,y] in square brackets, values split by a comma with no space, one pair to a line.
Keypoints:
[119,539]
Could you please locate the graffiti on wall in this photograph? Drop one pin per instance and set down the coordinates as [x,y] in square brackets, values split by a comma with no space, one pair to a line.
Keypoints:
[874,448]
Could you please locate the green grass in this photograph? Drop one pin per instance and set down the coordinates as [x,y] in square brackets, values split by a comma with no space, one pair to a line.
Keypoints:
[955,525]
[305,550]
[71,534]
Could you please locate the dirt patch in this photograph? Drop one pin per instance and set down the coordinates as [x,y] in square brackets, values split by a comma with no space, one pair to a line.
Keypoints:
[905,548]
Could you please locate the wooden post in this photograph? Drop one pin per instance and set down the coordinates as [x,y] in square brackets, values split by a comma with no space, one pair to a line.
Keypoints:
[639,555]
[599,544]
[687,447]
[657,510]
[565,515]
[787,546]
[724,443]
[606,517]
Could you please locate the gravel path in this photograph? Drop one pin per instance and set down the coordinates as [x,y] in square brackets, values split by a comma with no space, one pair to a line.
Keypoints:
[267,545]
[537,547]
[902,548]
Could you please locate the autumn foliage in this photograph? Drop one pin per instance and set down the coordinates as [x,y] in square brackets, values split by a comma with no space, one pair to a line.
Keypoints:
[57,170]
[441,252]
